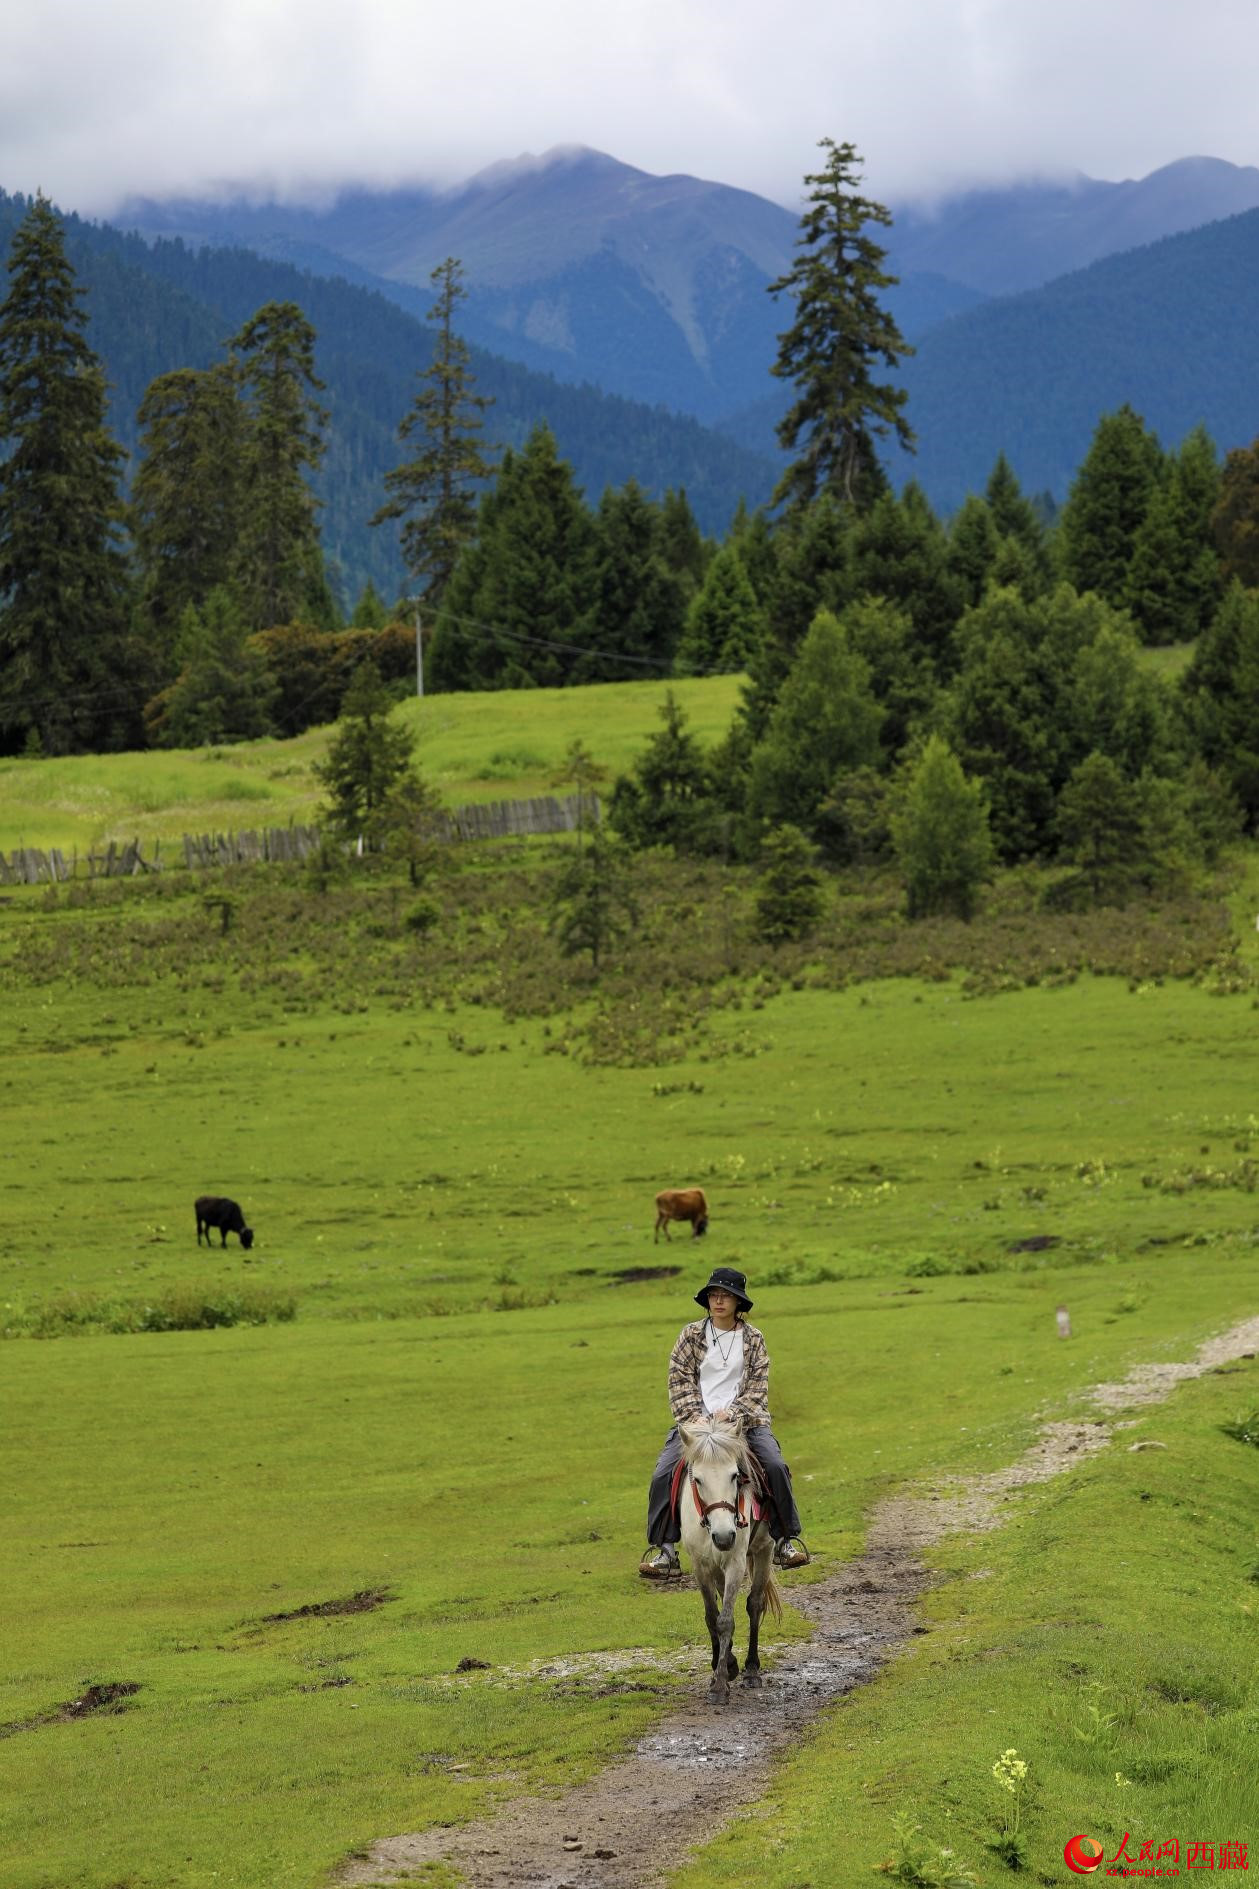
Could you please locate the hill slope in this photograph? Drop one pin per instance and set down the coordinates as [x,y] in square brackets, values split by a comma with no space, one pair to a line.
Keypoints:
[154,307]
[652,287]
[1168,328]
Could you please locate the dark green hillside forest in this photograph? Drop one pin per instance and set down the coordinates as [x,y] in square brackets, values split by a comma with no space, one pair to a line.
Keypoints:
[154,309]
[946,696]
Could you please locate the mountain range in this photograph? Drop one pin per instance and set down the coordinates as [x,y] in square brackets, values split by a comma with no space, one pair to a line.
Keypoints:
[655,287]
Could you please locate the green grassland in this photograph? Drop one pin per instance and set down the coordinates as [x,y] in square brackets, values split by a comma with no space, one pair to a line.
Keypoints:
[471,747]
[448,1148]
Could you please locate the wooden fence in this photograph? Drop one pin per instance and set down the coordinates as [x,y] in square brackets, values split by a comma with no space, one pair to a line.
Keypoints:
[490,820]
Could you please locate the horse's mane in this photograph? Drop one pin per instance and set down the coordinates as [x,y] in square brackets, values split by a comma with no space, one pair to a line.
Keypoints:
[716,1443]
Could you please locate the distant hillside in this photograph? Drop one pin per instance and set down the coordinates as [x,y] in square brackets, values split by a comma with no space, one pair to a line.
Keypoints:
[1001,241]
[1169,328]
[161,306]
[650,287]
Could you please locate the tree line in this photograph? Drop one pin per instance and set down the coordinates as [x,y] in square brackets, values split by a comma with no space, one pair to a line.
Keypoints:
[868,628]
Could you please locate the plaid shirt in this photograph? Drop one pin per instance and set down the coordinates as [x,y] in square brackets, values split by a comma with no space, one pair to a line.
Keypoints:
[749,1408]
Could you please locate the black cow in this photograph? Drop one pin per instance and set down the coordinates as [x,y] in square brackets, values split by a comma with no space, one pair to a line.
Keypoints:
[214,1210]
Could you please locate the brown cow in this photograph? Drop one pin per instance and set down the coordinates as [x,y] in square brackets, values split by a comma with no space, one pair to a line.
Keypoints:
[682,1203]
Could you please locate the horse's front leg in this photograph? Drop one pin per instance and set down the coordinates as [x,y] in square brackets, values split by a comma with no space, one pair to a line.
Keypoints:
[711,1611]
[725,1665]
[761,1569]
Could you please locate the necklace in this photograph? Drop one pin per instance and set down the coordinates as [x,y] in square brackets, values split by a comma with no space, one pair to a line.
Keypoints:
[723,1355]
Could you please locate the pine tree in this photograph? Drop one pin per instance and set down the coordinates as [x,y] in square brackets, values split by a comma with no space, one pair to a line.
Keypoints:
[1235,520]
[789,897]
[724,625]
[223,691]
[812,573]
[941,836]
[666,798]
[639,608]
[439,484]
[974,542]
[63,579]
[839,338]
[279,571]
[1099,824]
[1173,584]
[1015,516]
[593,905]
[1109,498]
[520,609]
[825,723]
[187,494]
[1221,690]
[682,543]
[900,552]
[368,761]
[369,612]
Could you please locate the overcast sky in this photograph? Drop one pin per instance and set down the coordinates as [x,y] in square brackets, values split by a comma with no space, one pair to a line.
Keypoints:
[102,98]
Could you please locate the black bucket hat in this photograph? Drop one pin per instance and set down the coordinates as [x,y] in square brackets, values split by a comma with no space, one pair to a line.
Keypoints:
[730,1281]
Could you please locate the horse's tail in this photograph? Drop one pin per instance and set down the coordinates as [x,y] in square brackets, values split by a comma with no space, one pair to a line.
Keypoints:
[773,1597]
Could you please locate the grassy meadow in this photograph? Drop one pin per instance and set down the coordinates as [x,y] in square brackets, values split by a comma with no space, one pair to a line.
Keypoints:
[471,747]
[433,1445]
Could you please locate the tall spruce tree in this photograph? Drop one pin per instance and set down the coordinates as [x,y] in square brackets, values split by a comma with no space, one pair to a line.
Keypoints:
[63,579]
[435,493]
[724,625]
[840,338]
[186,497]
[520,608]
[638,598]
[279,571]
[1109,498]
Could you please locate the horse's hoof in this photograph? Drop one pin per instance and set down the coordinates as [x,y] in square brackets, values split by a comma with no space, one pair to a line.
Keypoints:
[752,1679]
[718,1695]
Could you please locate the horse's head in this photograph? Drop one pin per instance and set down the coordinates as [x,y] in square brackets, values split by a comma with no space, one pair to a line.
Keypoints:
[714,1455]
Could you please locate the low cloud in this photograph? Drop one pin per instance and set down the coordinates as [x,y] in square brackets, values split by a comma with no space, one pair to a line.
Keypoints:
[98,103]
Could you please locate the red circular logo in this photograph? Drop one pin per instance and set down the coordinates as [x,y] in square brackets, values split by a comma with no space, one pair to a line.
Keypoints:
[1083,1854]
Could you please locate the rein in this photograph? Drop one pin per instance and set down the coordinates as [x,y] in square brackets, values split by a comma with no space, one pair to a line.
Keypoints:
[705,1509]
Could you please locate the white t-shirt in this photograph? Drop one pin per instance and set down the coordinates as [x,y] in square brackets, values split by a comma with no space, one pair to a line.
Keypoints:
[722,1368]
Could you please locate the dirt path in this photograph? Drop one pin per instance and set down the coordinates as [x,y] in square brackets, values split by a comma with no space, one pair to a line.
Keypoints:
[625,1828]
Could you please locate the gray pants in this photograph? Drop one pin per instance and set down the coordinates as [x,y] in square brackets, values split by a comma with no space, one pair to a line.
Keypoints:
[782,1516]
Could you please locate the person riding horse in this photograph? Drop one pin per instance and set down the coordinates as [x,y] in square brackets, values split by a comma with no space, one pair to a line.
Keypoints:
[720,1368]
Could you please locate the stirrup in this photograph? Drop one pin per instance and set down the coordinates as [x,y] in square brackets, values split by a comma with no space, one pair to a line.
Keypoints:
[791,1552]
[660,1564]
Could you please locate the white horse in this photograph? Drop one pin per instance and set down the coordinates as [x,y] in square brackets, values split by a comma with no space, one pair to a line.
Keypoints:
[726,1545]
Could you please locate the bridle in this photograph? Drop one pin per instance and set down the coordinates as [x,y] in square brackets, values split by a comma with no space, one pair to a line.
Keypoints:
[705,1509]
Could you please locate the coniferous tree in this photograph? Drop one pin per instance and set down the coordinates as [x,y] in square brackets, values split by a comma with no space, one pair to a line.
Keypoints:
[1221,689]
[1109,498]
[724,624]
[279,571]
[1173,585]
[666,798]
[900,552]
[369,613]
[682,543]
[812,573]
[64,680]
[840,338]
[368,760]
[1098,823]
[1015,516]
[223,691]
[825,723]
[439,485]
[639,608]
[789,897]
[520,609]
[186,497]
[1235,519]
[940,831]
[974,544]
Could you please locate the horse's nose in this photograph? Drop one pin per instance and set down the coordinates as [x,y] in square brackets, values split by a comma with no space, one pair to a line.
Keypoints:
[723,1541]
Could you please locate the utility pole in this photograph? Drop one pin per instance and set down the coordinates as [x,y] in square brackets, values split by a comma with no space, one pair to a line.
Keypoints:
[419,655]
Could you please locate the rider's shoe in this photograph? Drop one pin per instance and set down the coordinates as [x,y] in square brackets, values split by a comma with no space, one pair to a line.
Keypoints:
[660,1564]
[791,1552]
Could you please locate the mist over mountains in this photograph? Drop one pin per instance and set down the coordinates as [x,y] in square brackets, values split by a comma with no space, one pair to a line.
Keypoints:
[655,287]
[626,309]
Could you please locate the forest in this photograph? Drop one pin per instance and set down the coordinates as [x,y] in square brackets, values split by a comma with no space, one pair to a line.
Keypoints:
[989,674]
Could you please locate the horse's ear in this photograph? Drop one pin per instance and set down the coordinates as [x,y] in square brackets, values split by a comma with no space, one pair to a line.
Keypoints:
[689,1435]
